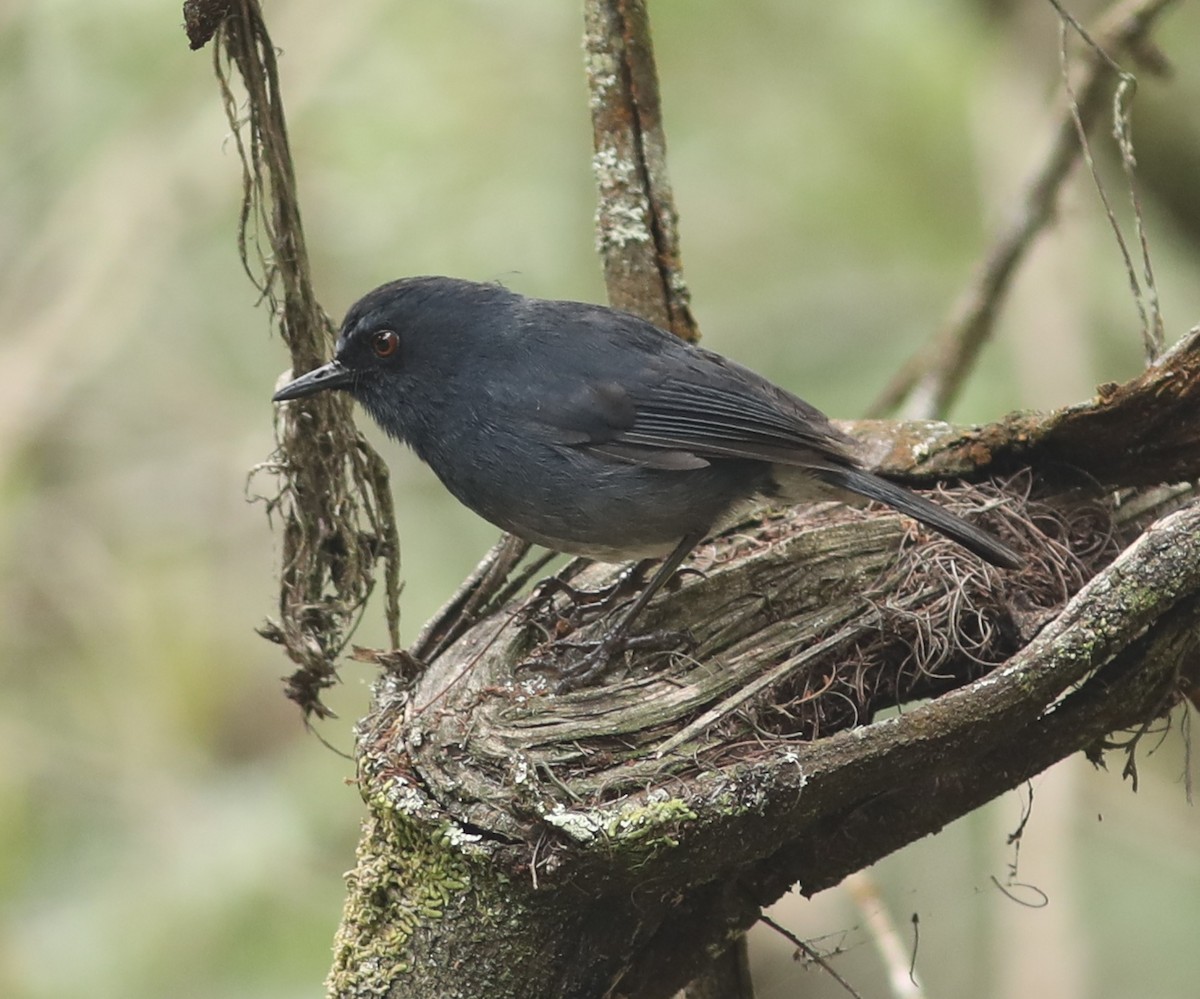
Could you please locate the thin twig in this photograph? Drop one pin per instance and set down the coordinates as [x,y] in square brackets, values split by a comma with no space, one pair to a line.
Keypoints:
[458,613]
[811,953]
[882,929]
[931,381]
[1153,340]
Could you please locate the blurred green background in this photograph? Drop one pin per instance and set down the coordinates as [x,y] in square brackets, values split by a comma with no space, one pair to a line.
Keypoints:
[167,827]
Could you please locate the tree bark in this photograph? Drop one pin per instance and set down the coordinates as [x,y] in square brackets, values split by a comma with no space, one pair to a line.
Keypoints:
[606,841]
[616,841]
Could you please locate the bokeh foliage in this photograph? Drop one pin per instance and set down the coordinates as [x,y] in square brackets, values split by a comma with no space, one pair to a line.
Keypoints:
[166,824]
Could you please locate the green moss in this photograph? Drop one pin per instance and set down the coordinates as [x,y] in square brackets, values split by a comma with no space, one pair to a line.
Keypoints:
[406,875]
[652,822]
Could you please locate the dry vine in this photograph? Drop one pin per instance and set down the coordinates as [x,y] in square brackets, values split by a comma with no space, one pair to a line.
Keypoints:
[335,504]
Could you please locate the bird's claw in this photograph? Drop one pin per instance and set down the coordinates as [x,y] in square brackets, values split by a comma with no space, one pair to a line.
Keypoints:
[597,602]
[601,655]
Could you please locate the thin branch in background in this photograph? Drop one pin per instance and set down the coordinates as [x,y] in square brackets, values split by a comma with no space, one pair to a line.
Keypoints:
[931,381]
[1153,333]
[1153,340]
[810,953]
[1190,700]
[636,224]
[726,977]
[881,928]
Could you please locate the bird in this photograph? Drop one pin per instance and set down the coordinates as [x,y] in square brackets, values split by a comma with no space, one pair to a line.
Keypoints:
[591,431]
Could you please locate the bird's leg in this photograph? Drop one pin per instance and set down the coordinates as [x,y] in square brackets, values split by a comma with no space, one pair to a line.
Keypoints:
[601,601]
[596,662]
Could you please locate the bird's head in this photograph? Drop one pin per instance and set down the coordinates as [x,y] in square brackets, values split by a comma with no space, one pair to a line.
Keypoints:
[399,343]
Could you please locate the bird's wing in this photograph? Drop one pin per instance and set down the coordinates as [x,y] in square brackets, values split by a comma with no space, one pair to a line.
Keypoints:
[738,418]
[684,411]
[598,416]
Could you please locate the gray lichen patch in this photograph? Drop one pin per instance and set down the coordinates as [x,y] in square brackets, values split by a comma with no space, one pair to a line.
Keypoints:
[652,822]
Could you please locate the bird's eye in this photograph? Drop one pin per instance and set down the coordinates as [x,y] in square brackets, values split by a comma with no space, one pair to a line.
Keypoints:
[385,343]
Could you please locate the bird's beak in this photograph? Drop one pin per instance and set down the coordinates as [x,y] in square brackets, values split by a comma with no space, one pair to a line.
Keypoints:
[329,376]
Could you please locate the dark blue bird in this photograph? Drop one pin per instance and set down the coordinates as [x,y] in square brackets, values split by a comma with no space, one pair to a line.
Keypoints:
[589,430]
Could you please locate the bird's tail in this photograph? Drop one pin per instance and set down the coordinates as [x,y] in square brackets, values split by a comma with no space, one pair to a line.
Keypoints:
[940,519]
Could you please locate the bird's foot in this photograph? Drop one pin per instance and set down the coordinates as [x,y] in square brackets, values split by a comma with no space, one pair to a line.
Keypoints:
[601,656]
[585,605]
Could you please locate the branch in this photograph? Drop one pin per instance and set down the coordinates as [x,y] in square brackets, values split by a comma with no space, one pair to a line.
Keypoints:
[930,382]
[541,799]
[636,223]
[679,808]
[1141,433]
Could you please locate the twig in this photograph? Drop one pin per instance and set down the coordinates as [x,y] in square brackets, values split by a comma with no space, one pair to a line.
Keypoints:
[1153,340]
[636,224]
[930,382]
[460,611]
[811,953]
[882,928]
